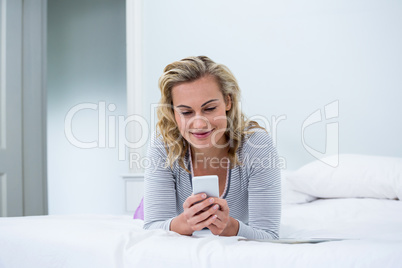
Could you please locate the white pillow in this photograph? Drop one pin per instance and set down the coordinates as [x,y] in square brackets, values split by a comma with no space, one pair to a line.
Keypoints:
[355,176]
[290,196]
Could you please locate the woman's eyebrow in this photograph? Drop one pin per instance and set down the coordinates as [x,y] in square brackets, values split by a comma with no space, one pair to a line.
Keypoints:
[185,106]
[208,102]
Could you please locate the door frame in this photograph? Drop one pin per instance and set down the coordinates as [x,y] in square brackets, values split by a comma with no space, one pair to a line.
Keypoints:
[34,107]
[23,70]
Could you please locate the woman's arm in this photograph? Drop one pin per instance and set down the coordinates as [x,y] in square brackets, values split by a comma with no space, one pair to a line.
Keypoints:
[159,191]
[264,188]
[160,210]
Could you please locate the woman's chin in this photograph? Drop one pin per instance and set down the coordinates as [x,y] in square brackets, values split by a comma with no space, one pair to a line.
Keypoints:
[201,146]
[204,144]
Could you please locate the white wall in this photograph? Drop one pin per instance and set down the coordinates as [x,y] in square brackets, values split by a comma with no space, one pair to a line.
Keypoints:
[292,58]
[86,64]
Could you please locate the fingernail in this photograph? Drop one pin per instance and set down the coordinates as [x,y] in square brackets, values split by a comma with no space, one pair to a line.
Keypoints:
[216,207]
[211,200]
[204,196]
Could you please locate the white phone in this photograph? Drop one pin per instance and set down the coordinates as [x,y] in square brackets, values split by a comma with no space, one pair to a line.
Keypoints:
[206,184]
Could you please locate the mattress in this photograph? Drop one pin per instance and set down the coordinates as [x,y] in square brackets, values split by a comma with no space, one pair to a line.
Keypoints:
[369,232]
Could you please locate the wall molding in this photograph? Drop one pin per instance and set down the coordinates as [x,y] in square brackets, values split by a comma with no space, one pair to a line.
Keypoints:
[134,71]
[133,176]
[133,190]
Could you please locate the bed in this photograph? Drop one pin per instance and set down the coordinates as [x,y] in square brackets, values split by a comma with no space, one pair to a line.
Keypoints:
[356,204]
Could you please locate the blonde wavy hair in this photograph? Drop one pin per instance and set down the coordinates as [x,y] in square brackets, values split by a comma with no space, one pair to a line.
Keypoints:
[187,70]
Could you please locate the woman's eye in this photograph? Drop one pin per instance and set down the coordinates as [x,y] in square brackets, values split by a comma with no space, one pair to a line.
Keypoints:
[185,113]
[210,109]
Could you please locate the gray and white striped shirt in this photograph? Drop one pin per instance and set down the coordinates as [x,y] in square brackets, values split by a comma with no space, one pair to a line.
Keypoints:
[253,189]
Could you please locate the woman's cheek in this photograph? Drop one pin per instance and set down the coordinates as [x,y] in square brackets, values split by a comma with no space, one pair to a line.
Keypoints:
[220,121]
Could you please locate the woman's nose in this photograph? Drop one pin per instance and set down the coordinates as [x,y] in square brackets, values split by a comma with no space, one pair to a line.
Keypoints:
[200,122]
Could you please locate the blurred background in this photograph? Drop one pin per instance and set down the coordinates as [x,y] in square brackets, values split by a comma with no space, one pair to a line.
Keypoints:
[292,59]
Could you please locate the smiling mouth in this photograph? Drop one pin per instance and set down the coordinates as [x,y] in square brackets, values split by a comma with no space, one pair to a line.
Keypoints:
[201,135]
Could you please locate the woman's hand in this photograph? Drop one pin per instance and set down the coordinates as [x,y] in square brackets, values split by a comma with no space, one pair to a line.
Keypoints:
[200,215]
[195,216]
[224,225]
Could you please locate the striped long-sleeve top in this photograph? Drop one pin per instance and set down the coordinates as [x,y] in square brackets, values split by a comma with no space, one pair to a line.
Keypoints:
[252,192]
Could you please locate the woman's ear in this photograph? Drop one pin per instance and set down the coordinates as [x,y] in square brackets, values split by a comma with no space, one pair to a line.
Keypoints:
[228,102]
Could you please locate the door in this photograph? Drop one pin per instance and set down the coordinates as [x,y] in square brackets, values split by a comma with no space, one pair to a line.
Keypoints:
[11,166]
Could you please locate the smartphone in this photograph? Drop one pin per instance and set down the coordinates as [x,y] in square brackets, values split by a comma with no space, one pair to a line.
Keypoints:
[206,184]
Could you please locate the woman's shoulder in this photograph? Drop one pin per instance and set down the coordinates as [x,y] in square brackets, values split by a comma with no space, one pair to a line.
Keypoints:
[256,144]
[258,151]
[158,146]
[156,138]
[256,138]
[157,143]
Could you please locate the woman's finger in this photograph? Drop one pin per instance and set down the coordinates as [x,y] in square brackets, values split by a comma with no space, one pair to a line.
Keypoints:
[199,207]
[222,219]
[193,199]
[205,215]
[223,205]
[203,224]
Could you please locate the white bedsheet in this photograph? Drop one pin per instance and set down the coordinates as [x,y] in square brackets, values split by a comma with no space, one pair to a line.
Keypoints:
[373,228]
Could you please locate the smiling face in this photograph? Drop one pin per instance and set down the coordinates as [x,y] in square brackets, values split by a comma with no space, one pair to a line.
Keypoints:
[200,112]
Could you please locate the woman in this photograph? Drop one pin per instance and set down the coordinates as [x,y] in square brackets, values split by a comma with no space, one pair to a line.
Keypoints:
[202,131]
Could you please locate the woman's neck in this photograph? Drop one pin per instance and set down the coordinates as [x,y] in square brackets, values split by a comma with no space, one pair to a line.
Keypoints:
[211,158]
